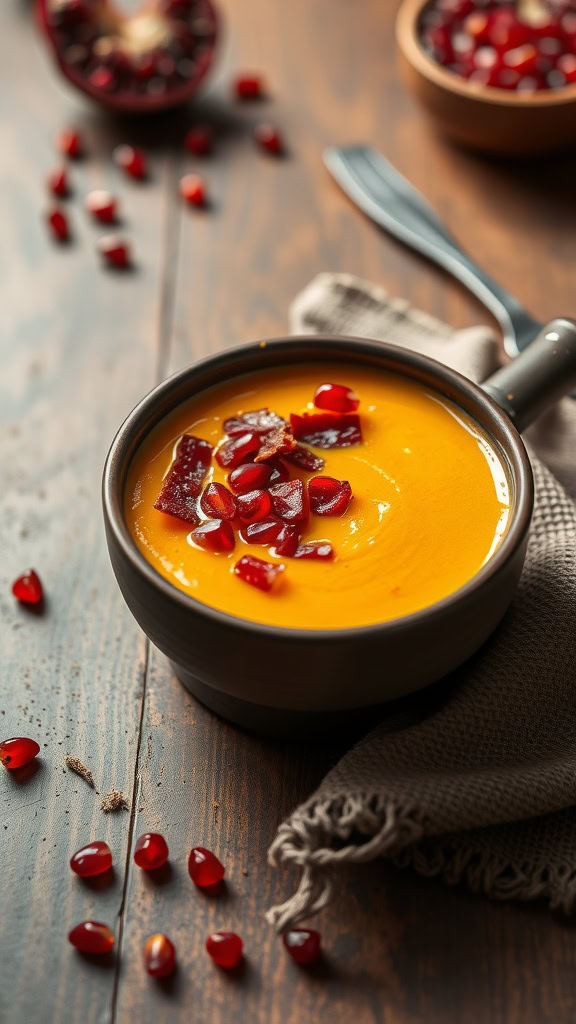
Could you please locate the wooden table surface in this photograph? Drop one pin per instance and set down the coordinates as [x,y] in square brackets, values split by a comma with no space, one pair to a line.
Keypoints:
[79,347]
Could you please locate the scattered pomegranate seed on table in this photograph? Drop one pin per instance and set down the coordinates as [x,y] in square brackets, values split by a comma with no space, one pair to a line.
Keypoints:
[58,182]
[250,476]
[329,497]
[257,572]
[93,859]
[336,398]
[70,143]
[303,945]
[225,948]
[217,502]
[248,87]
[199,140]
[28,588]
[92,937]
[192,189]
[159,956]
[58,223]
[18,751]
[215,535]
[115,251]
[150,851]
[204,867]
[131,160]
[269,139]
[102,205]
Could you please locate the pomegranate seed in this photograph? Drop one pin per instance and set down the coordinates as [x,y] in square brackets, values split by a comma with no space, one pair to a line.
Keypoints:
[199,140]
[91,937]
[522,59]
[290,501]
[329,497]
[477,25]
[18,751]
[215,535]
[59,225]
[102,205]
[336,398]
[249,476]
[280,472]
[248,87]
[183,483]
[305,459]
[103,78]
[315,550]
[567,65]
[257,572]
[70,143]
[192,190]
[225,948]
[506,30]
[58,182]
[28,588]
[204,868]
[217,502]
[259,421]
[150,851]
[261,533]
[131,160]
[327,429]
[287,541]
[159,956]
[234,452]
[253,506]
[269,139]
[115,251]
[91,860]
[303,945]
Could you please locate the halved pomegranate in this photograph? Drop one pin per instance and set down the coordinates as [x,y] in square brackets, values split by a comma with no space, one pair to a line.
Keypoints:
[134,63]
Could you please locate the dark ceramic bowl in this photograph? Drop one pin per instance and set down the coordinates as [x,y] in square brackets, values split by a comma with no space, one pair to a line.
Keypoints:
[271,678]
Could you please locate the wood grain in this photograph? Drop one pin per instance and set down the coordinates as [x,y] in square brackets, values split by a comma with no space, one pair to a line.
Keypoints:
[79,347]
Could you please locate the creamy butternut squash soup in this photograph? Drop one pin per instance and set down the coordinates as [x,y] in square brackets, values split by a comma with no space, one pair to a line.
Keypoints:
[409,505]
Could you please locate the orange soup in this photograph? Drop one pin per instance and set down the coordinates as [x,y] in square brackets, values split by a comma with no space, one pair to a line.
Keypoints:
[430,503]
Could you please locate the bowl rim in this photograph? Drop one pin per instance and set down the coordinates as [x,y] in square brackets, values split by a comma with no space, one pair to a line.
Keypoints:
[408,40]
[116,468]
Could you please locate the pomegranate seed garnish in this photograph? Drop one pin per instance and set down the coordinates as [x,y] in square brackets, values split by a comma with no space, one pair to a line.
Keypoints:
[336,398]
[567,65]
[237,449]
[131,160]
[183,483]
[91,860]
[115,251]
[303,945]
[522,59]
[102,205]
[28,588]
[92,937]
[248,87]
[217,502]
[215,535]
[261,533]
[269,139]
[150,851]
[329,497]
[204,868]
[315,550]
[287,541]
[225,948]
[290,501]
[327,429]
[70,143]
[192,190]
[103,78]
[249,476]
[199,140]
[278,442]
[159,956]
[18,751]
[305,459]
[257,572]
[259,421]
[58,182]
[59,225]
[253,506]
[280,472]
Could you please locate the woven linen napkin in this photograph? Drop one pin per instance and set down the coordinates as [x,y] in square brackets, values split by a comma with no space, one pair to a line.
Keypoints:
[483,789]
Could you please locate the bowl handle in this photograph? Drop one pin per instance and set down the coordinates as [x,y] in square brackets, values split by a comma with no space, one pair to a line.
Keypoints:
[541,374]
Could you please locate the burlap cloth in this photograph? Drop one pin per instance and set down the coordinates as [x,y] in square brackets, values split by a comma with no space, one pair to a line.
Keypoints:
[482,791]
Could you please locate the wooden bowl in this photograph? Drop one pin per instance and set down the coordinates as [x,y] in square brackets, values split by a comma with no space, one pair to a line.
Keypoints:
[481,116]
